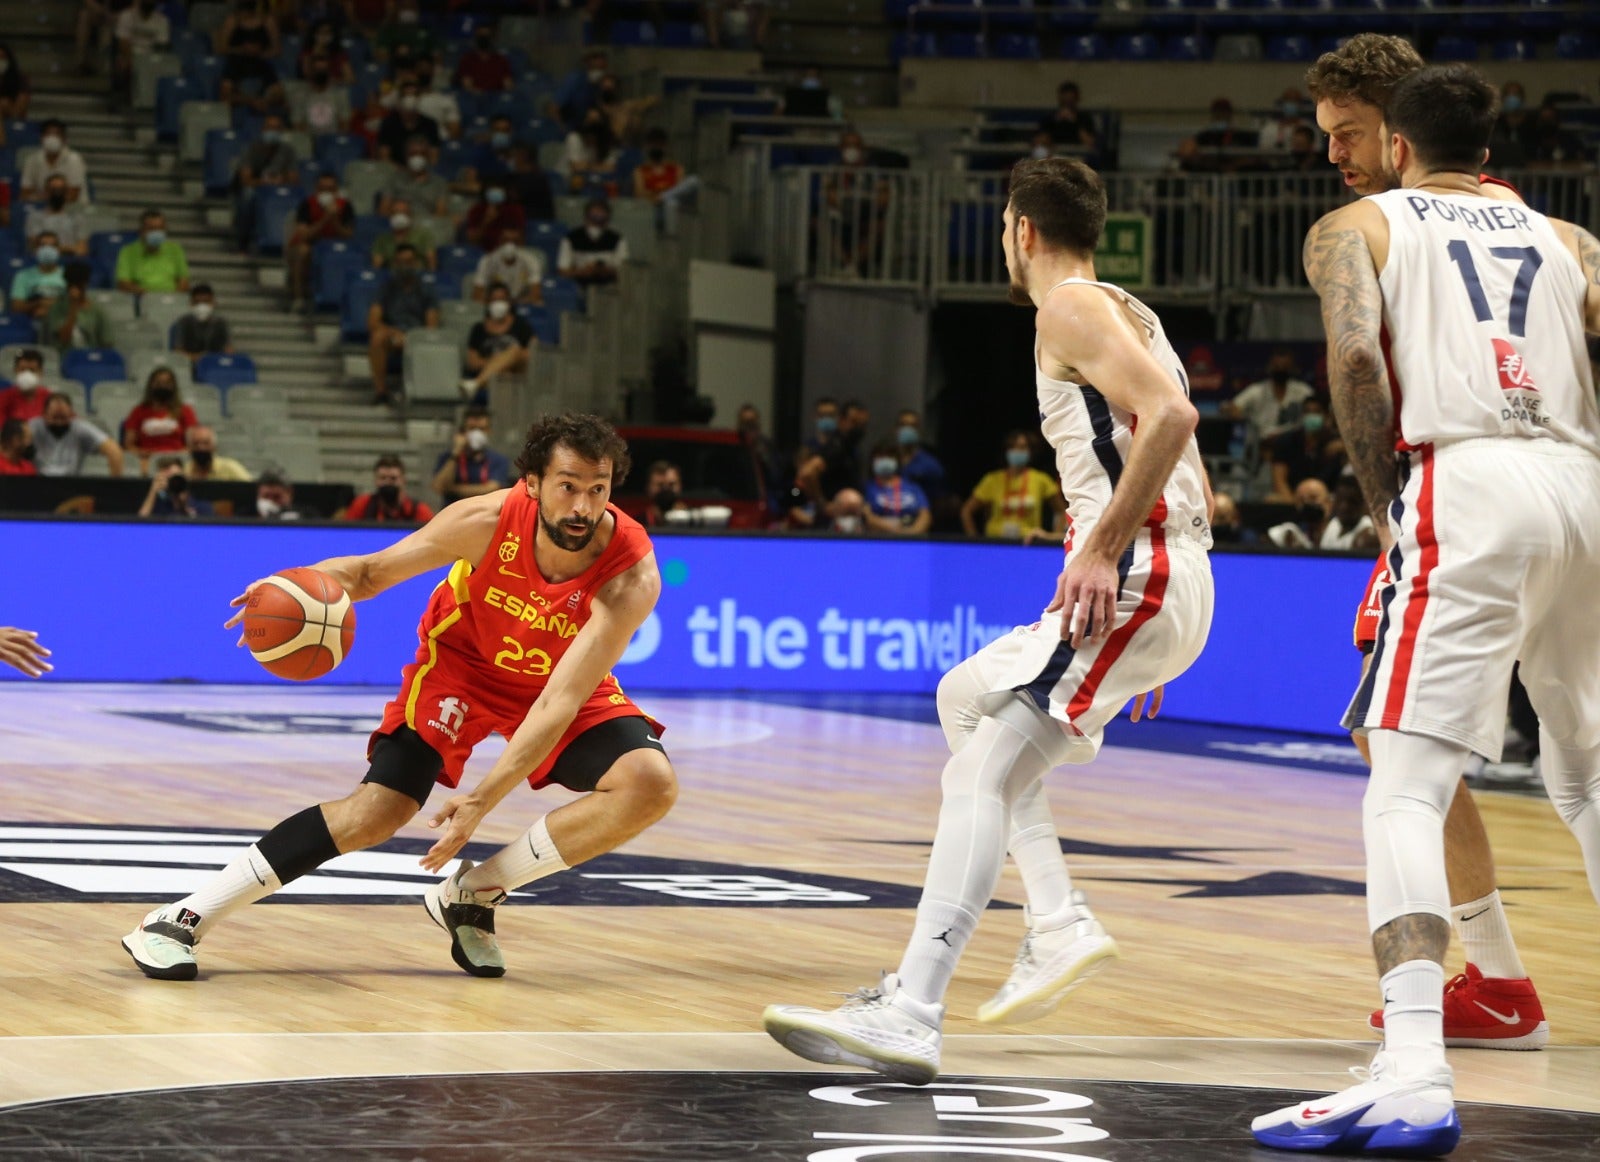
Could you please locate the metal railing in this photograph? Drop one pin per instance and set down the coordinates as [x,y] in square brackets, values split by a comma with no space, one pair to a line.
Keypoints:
[852,223]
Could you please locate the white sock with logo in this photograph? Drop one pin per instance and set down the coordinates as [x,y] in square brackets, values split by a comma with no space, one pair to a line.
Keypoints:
[532,856]
[1486,937]
[244,881]
[1413,1016]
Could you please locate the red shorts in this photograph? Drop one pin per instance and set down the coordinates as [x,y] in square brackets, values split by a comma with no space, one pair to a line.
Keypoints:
[1370,615]
[453,708]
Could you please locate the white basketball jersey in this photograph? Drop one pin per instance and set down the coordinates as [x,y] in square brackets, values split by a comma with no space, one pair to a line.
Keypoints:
[1090,436]
[1483,323]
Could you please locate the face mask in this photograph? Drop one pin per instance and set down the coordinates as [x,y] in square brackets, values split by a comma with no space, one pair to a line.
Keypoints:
[408,104]
[327,200]
[267,509]
[500,140]
[51,143]
[594,231]
[405,273]
[202,311]
[389,100]
[885,466]
[57,201]
[1040,152]
[164,395]
[270,137]
[847,524]
[417,162]
[203,458]
[507,252]
[827,426]
[373,124]
[27,380]
[664,498]
[1308,514]
[1018,457]
[59,430]
[656,155]
[1314,421]
[477,439]
[607,96]
[388,494]
[483,43]
[1288,109]
[1279,376]
[499,309]
[1511,104]
[47,255]
[27,453]
[319,79]
[907,435]
[154,238]
[408,17]
[811,82]
[399,222]
[1219,125]
[594,76]
[494,196]
[850,155]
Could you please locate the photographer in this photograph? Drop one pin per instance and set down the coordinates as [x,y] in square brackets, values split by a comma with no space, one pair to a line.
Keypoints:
[169,493]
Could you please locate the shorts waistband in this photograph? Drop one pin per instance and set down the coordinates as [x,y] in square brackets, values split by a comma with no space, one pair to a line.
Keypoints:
[1557,449]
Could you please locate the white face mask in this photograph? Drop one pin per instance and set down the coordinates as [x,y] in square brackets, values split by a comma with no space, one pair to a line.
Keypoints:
[847,524]
[477,439]
[507,252]
[595,75]
[327,200]
[417,162]
[408,16]
[499,309]
[408,104]
[851,155]
[1040,152]
[399,222]
[594,231]
[51,143]
[267,508]
[202,311]
[27,380]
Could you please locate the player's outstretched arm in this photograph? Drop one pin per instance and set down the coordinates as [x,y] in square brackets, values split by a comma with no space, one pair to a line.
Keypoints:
[20,648]
[1586,249]
[1340,265]
[620,608]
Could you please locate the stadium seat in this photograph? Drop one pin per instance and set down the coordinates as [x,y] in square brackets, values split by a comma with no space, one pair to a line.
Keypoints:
[171,94]
[103,248]
[195,120]
[431,367]
[22,134]
[1289,49]
[206,401]
[92,365]
[1577,46]
[1087,47]
[205,70]
[163,308]
[1016,46]
[334,151]
[360,290]
[144,362]
[547,236]
[545,322]
[1187,48]
[223,150]
[368,228]
[625,33]
[275,206]
[112,400]
[457,261]
[540,131]
[682,34]
[1514,50]
[1455,48]
[961,45]
[1138,46]
[1073,15]
[257,399]
[141,335]
[562,294]
[363,180]
[77,392]
[331,264]
[454,156]
[918,44]
[225,371]
[16,329]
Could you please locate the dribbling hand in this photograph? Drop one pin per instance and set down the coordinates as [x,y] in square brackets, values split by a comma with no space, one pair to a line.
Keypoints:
[1086,595]
[1155,704]
[460,816]
[20,649]
[238,603]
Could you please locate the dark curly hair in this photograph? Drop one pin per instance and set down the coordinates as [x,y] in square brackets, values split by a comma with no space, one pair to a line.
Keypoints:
[589,436]
[1367,67]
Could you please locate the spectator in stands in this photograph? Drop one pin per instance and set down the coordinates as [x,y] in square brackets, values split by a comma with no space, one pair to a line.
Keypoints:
[56,216]
[15,90]
[62,441]
[493,216]
[404,38]
[269,161]
[169,493]
[894,504]
[832,459]
[1350,527]
[152,262]
[591,151]
[202,331]
[27,395]
[275,496]
[1226,527]
[483,68]
[1067,125]
[95,20]
[1508,144]
[55,156]
[249,27]
[366,121]
[249,78]
[416,184]
[405,123]
[438,104]
[1271,406]
[663,492]
[307,16]
[594,252]
[159,422]
[658,174]
[34,289]
[1551,147]
[1207,149]
[322,105]
[16,449]
[529,185]
[846,512]
[471,467]
[141,29]
[509,265]
[1016,501]
[204,461]
[326,216]
[368,15]
[495,155]
[574,96]
[1304,156]
[853,211]
[5,203]
[388,502]
[1312,449]
[1325,521]
[498,344]
[405,304]
[740,24]
[76,320]
[917,464]
[808,96]
[1289,113]
[625,117]
[324,53]
[404,231]
[768,461]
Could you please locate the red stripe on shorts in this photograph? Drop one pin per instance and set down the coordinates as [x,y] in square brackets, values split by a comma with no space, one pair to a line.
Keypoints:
[1149,606]
[1417,604]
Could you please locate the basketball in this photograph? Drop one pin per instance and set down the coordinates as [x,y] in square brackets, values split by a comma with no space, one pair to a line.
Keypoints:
[299,624]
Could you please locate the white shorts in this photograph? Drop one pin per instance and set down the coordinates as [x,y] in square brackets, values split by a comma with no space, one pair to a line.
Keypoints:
[1163,616]
[1496,560]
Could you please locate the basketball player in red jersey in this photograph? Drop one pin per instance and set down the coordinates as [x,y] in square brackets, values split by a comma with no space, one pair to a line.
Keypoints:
[1350,87]
[548,584]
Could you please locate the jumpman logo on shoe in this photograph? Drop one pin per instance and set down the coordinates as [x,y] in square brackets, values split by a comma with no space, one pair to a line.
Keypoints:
[944,938]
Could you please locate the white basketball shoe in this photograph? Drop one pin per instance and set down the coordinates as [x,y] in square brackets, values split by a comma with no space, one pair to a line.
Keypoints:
[469,918]
[163,944]
[882,1028]
[1413,1117]
[1049,965]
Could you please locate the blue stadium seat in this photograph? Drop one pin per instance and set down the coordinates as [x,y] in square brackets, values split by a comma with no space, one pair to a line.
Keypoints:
[920,44]
[961,45]
[1472,17]
[1009,14]
[1016,46]
[456,262]
[455,156]
[562,294]
[541,131]
[1577,46]
[1289,49]
[368,227]
[223,149]
[91,365]
[17,329]
[22,134]
[274,206]
[1454,48]
[1140,46]
[517,106]
[1074,15]
[1232,15]
[334,151]
[632,32]
[546,236]
[205,71]
[331,264]
[1087,47]
[171,92]
[1187,48]
[225,371]
[546,323]
[1168,14]
[361,289]
[103,248]
[683,34]
[1514,50]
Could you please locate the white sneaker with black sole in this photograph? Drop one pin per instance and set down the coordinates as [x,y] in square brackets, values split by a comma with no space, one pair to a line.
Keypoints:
[469,918]
[163,948]
[1049,965]
[882,1029]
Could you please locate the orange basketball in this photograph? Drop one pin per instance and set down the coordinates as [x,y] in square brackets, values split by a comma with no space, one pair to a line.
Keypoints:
[299,624]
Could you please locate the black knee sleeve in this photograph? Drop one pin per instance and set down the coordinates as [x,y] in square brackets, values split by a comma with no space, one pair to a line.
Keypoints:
[301,843]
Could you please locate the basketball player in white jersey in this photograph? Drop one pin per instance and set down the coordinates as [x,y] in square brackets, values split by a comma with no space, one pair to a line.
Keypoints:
[1476,437]
[1131,611]
[1350,86]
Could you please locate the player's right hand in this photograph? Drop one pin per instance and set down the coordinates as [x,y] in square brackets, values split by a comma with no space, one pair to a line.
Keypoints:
[1086,595]
[20,649]
[239,604]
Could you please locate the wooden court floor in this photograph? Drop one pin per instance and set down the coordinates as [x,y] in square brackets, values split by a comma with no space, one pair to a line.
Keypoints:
[1244,962]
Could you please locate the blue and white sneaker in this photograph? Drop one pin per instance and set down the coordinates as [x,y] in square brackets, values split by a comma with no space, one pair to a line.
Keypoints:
[1384,1115]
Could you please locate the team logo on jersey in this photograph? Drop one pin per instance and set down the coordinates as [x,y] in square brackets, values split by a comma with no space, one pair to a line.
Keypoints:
[1513,371]
[510,547]
[451,718]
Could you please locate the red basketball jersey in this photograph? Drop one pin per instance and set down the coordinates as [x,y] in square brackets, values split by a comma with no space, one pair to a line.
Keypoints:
[503,619]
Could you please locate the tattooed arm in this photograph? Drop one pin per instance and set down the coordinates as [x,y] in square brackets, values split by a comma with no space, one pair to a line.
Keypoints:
[1586,249]
[1340,264]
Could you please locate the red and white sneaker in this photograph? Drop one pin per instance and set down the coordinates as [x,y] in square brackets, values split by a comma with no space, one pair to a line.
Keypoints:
[1489,1013]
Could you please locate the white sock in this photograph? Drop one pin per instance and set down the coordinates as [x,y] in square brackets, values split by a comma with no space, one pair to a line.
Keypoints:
[1487,937]
[1036,849]
[1413,1016]
[244,881]
[530,857]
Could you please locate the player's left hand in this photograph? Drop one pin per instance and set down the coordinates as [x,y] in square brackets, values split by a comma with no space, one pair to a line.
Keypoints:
[238,603]
[1086,595]
[1155,704]
[460,816]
